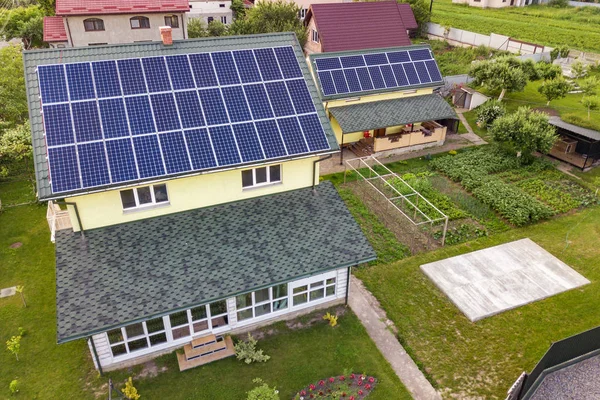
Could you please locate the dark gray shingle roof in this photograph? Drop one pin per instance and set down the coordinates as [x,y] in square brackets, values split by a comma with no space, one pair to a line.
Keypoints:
[133,50]
[585,132]
[384,113]
[152,267]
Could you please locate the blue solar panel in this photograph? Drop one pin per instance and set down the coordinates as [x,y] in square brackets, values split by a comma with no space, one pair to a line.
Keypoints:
[327,82]
[226,70]
[92,161]
[165,112]
[400,75]
[247,68]
[376,77]
[388,76]
[352,79]
[324,64]
[86,121]
[398,56]
[106,77]
[248,143]
[58,124]
[434,71]
[132,76]
[53,84]
[181,74]
[64,169]
[339,80]
[201,151]
[292,135]
[421,54]
[156,73]
[280,99]
[313,132]
[203,70]
[121,160]
[270,138]
[140,115]
[364,78]
[174,152]
[352,61]
[288,62]
[189,109]
[214,108]
[147,154]
[236,104]
[376,59]
[422,72]
[411,74]
[258,101]
[301,98]
[81,85]
[224,145]
[267,64]
[114,120]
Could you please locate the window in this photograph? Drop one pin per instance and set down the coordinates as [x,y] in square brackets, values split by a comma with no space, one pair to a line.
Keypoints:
[261,302]
[303,13]
[93,24]
[144,197]
[261,176]
[97,44]
[139,23]
[210,19]
[315,36]
[224,19]
[199,319]
[222,5]
[313,291]
[136,337]
[172,21]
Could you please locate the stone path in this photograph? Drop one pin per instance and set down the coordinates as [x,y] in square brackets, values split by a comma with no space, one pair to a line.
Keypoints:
[379,328]
[471,136]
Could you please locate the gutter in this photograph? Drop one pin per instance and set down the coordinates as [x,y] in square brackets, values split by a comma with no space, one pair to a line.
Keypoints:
[91,339]
[348,284]
[315,168]
[70,203]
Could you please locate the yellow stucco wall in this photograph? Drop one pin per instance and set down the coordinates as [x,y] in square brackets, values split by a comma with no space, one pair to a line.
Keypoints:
[412,139]
[105,208]
[377,97]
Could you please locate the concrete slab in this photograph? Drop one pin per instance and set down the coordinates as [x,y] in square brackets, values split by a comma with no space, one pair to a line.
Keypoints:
[489,281]
[11,291]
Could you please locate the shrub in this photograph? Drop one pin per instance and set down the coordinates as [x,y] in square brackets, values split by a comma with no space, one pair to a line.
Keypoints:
[346,386]
[331,318]
[489,111]
[453,152]
[129,391]
[14,386]
[558,3]
[14,345]
[577,120]
[263,391]
[246,350]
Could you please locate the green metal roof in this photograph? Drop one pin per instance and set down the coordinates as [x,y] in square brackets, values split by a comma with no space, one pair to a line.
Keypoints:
[34,58]
[315,56]
[130,272]
[381,114]
[585,132]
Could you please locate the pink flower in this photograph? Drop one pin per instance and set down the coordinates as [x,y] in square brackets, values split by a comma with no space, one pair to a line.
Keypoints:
[303,393]
[331,380]
[311,387]
[351,398]
[359,383]
[371,379]
[352,376]
[360,392]
[367,386]
[321,382]
[342,378]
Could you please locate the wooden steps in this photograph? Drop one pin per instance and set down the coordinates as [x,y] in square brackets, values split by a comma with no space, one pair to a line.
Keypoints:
[205,350]
[361,148]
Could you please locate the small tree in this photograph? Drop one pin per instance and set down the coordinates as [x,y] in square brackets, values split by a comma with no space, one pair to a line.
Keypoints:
[217,28]
[25,23]
[263,391]
[13,99]
[555,89]
[590,103]
[547,71]
[246,350]
[196,28]
[502,74]
[19,289]
[560,51]
[589,86]
[579,70]
[525,131]
[488,112]
[15,145]
[14,345]
[130,391]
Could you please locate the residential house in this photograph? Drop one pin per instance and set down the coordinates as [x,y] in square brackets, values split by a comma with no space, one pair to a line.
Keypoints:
[211,10]
[190,175]
[80,23]
[383,100]
[499,3]
[357,26]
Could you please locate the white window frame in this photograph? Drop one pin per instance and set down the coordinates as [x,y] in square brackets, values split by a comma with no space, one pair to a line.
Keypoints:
[315,36]
[224,19]
[311,286]
[268,182]
[253,304]
[303,13]
[146,335]
[152,204]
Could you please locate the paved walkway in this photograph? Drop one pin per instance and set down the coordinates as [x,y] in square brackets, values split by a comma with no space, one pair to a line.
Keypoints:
[471,136]
[366,307]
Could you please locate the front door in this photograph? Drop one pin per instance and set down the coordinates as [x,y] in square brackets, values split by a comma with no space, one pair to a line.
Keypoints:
[379,132]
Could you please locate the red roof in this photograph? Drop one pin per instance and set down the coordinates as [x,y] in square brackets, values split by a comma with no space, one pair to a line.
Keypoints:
[54,30]
[358,25]
[408,17]
[97,7]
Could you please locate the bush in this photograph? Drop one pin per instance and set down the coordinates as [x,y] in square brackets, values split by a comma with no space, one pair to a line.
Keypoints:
[14,386]
[129,391]
[246,350]
[331,318]
[346,386]
[263,391]
[489,111]
[558,3]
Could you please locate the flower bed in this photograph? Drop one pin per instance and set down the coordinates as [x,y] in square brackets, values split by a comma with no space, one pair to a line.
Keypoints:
[347,386]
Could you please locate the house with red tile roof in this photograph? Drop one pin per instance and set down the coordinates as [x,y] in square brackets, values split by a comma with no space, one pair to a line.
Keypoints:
[357,26]
[95,22]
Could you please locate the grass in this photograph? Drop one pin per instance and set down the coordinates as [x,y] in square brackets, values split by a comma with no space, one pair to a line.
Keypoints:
[483,359]
[537,24]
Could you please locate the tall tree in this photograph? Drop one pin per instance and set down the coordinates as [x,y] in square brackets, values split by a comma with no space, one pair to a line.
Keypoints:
[590,103]
[548,71]
[25,23]
[525,131]
[555,89]
[266,17]
[196,28]
[238,9]
[13,100]
[502,74]
[15,145]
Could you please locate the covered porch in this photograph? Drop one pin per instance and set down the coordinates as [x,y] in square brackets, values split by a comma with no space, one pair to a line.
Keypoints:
[386,125]
[576,145]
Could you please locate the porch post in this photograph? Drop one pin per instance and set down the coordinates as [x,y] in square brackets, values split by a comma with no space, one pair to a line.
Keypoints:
[342,150]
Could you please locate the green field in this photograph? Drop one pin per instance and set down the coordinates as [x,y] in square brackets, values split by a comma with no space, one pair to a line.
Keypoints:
[577,28]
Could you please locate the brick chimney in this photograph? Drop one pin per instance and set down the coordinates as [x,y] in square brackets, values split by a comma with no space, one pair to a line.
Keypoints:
[166,35]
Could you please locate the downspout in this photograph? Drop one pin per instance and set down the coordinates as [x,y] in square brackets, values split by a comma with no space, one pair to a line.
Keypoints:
[342,150]
[69,203]
[69,30]
[315,168]
[183,18]
[348,285]
[91,339]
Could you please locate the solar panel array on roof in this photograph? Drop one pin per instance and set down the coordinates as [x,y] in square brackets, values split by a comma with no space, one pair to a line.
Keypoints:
[116,121]
[353,74]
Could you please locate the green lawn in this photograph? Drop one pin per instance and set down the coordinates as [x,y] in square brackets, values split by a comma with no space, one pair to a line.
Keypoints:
[578,28]
[483,359]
